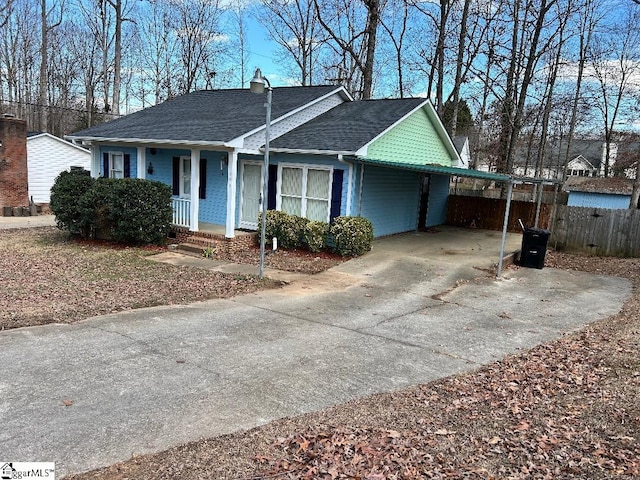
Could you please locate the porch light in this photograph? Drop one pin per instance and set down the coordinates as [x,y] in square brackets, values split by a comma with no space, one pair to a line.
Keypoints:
[258,84]
[150,168]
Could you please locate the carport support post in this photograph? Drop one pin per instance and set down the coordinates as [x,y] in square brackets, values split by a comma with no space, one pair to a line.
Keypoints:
[540,192]
[504,227]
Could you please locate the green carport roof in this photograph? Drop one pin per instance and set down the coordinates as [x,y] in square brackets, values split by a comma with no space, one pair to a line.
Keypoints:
[437,169]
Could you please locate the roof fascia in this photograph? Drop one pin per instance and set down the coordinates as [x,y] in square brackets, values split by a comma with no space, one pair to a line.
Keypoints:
[309,151]
[147,141]
[340,90]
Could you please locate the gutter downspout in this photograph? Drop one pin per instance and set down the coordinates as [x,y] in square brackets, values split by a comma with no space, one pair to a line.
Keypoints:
[349,185]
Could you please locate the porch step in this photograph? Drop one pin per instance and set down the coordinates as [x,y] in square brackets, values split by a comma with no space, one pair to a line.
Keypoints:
[190,248]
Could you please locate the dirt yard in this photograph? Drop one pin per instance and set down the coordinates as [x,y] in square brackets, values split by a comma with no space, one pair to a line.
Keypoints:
[567,409]
[49,278]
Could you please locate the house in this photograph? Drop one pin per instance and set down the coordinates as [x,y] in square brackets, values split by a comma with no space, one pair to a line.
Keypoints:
[462,147]
[329,156]
[611,192]
[47,156]
[13,164]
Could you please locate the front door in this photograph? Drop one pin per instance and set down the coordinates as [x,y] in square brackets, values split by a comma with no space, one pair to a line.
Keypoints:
[250,196]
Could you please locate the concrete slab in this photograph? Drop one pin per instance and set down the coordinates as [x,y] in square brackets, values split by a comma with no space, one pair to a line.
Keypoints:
[404,314]
[27,222]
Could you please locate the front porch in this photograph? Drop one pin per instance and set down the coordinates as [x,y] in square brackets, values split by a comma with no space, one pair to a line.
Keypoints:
[210,235]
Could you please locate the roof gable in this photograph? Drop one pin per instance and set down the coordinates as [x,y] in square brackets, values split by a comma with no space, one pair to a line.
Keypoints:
[205,116]
[47,137]
[418,139]
[348,127]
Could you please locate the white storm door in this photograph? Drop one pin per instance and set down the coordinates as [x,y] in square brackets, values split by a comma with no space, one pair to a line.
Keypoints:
[250,196]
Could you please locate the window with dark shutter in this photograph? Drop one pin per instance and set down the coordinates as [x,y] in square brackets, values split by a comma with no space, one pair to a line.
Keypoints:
[127,165]
[272,187]
[203,178]
[105,165]
[336,194]
[176,176]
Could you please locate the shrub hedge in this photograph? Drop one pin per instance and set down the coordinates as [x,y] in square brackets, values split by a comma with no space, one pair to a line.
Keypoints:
[349,236]
[128,210]
[66,200]
[352,236]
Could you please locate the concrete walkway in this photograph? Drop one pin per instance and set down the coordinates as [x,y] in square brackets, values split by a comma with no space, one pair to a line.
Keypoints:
[416,308]
[27,222]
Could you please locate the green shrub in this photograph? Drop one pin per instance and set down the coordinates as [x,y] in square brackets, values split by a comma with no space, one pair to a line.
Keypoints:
[316,235]
[128,210]
[288,229]
[138,211]
[352,236]
[66,198]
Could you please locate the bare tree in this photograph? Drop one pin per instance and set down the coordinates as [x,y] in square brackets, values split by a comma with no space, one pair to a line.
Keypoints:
[614,61]
[353,39]
[195,23]
[45,29]
[589,15]
[396,24]
[294,26]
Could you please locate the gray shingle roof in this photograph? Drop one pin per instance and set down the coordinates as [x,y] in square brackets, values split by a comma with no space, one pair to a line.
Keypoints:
[206,115]
[347,127]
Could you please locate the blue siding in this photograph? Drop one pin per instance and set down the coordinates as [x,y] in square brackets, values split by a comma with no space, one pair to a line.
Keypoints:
[133,155]
[390,199]
[213,208]
[598,200]
[438,197]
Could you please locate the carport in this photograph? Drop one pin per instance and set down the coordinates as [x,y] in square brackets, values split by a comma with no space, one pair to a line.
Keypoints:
[509,180]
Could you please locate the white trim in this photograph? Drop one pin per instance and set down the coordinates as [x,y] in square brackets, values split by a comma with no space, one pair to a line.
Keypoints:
[305,169]
[195,189]
[339,90]
[309,151]
[154,142]
[243,163]
[232,172]
[141,161]
[61,140]
[95,161]
[349,190]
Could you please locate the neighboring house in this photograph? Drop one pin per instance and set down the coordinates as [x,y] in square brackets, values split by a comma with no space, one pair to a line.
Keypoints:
[47,156]
[612,192]
[462,147]
[329,156]
[581,167]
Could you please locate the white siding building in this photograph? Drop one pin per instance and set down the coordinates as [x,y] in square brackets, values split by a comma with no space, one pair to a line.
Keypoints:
[47,156]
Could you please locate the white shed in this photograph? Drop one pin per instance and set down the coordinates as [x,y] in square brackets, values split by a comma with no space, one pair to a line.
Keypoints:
[47,156]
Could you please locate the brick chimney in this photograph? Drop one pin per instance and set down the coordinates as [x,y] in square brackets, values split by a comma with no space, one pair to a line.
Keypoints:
[14,186]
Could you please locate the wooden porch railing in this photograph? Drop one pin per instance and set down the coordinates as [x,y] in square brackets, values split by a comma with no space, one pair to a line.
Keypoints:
[181,212]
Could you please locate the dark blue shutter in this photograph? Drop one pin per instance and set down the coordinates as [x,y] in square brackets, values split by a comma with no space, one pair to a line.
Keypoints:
[273,185]
[105,165]
[176,175]
[336,194]
[127,165]
[203,178]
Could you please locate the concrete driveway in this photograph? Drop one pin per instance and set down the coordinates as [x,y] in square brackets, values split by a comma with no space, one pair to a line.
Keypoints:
[416,308]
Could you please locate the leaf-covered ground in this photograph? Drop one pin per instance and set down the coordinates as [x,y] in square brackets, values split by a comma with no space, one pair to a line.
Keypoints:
[48,277]
[567,409]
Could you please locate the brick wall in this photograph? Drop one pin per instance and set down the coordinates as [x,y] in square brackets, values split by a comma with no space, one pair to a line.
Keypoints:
[14,190]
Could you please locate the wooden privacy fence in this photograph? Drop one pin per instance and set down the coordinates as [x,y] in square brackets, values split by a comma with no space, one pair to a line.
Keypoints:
[597,231]
[488,213]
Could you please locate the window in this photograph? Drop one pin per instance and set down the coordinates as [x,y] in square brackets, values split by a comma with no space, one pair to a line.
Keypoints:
[116,165]
[305,191]
[185,177]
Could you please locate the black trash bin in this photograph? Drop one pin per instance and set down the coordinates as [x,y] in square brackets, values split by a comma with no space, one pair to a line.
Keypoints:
[534,247]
